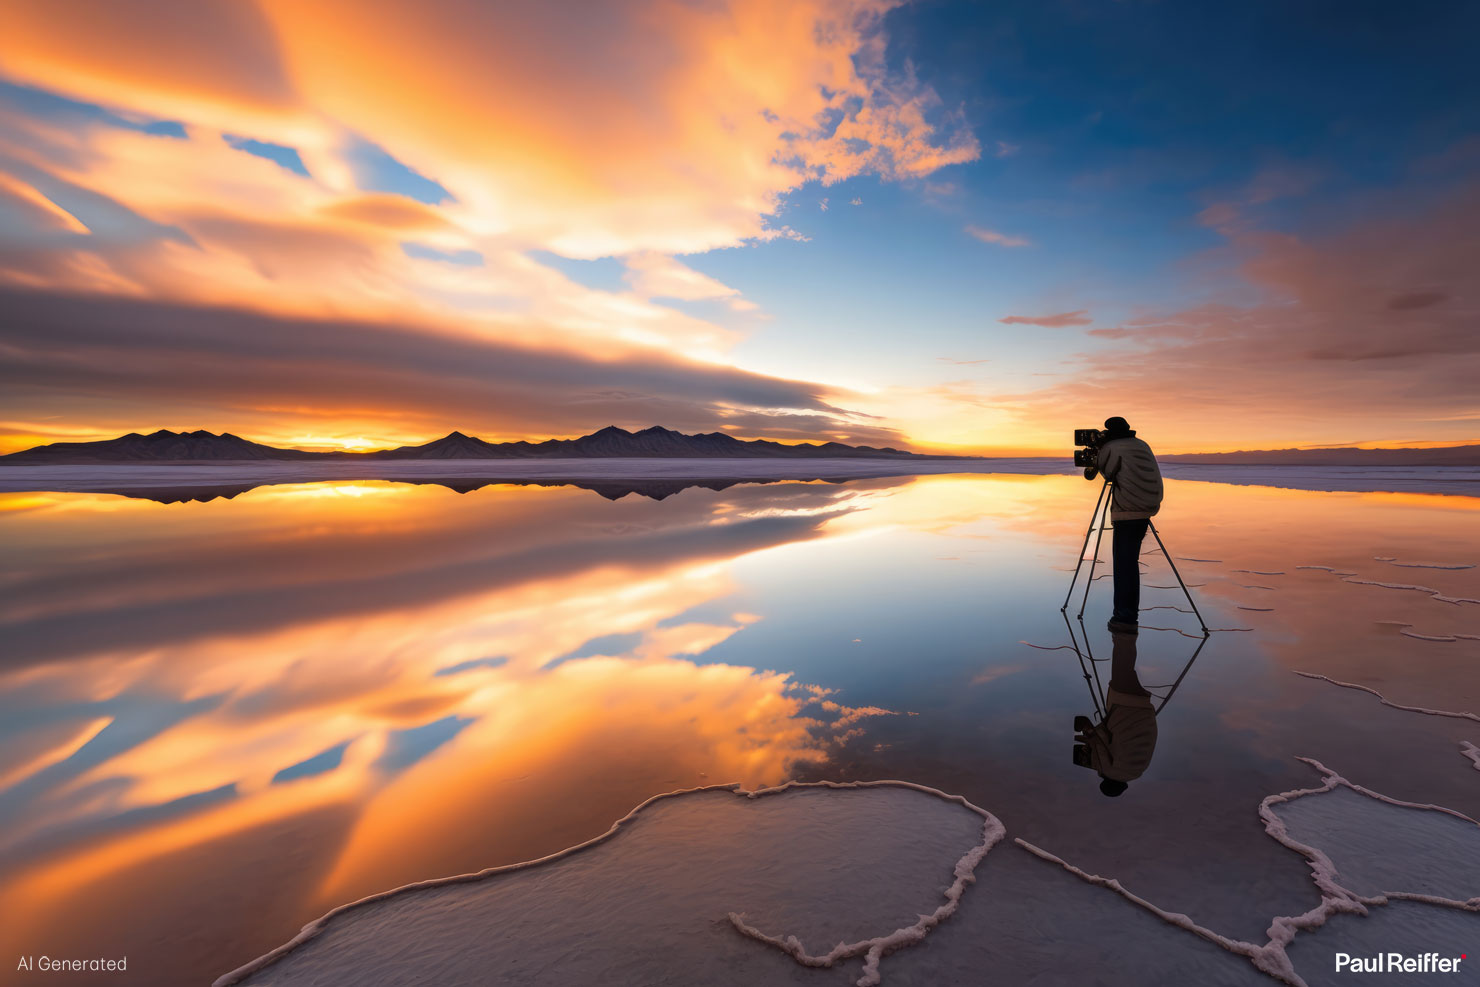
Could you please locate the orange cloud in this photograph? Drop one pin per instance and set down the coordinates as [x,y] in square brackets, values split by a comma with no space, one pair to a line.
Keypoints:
[168,60]
[643,131]
[653,126]
[1062,320]
[1367,333]
[394,212]
[227,369]
[35,210]
[654,275]
[1000,239]
[209,224]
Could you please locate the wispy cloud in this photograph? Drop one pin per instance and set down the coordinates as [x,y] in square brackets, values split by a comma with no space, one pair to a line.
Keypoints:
[1373,322]
[1221,216]
[1060,321]
[1231,215]
[141,362]
[1408,301]
[654,275]
[1000,239]
[755,106]
[298,164]
[1006,150]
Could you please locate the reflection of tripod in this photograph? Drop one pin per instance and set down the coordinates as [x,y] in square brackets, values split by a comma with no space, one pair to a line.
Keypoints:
[1089,665]
[1097,526]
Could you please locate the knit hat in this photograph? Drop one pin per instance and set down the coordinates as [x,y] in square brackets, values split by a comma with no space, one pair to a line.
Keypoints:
[1117,425]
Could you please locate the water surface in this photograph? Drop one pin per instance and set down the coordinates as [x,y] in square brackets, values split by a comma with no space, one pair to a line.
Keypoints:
[221,719]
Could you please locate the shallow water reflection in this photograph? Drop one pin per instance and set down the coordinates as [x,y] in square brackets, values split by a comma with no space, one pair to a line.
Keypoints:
[220,719]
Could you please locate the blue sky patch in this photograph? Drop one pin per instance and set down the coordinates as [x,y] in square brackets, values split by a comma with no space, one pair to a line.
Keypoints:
[44,105]
[602,274]
[279,154]
[468,666]
[606,644]
[376,171]
[321,763]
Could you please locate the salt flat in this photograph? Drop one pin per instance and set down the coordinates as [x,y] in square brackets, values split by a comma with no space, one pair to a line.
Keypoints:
[252,708]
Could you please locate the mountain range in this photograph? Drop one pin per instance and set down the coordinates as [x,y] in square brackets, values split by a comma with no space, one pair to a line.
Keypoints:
[1345,456]
[165,446]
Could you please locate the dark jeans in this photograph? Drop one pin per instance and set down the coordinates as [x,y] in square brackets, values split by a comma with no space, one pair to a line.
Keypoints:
[1126,551]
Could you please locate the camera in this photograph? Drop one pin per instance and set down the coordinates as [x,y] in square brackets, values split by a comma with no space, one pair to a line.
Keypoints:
[1088,457]
[1081,756]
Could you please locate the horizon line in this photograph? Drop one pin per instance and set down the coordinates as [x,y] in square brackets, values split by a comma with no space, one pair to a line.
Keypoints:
[1007,453]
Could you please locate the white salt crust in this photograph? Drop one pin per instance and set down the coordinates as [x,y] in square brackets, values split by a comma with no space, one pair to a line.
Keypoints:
[872,950]
[1350,577]
[1425,565]
[1382,699]
[1271,957]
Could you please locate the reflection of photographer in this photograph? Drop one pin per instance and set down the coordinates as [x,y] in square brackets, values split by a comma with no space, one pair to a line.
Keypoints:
[1120,746]
[1135,485]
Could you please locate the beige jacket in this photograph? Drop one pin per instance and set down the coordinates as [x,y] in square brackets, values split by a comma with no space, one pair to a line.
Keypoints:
[1131,466]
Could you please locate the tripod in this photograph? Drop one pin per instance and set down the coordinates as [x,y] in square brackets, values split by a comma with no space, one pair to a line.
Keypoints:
[1097,527]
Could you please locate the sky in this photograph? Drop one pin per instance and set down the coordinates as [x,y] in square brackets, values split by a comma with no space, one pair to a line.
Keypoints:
[949,227]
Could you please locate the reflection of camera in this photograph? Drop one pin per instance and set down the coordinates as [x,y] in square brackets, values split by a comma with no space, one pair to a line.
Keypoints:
[1088,458]
[1082,726]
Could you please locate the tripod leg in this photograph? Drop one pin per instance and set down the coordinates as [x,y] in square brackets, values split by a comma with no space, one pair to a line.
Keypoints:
[1099,522]
[1094,663]
[1079,562]
[1185,669]
[1160,544]
[1094,694]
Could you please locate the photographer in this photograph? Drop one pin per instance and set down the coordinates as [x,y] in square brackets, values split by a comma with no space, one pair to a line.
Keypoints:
[1130,466]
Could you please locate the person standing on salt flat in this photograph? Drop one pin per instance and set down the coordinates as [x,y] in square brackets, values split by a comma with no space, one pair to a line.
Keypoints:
[1136,493]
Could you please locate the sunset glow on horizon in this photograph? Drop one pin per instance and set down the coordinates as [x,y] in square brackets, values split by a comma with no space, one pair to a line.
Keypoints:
[935,226]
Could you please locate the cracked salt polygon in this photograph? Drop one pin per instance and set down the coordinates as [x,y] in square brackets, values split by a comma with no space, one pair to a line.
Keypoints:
[651,903]
[1378,847]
